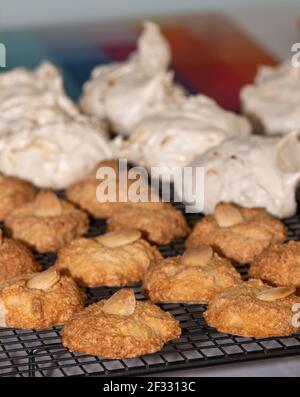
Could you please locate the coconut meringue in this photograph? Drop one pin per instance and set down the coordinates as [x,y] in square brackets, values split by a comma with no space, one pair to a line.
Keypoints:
[274,99]
[53,155]
[31,99]
[174,136]
[253,172]
[125,92]
[44,138]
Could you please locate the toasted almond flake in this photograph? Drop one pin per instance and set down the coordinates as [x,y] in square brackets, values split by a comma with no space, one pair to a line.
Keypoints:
[2,314]
[171,271]
[198,256]
[122,303]
[228,215]
[45,280]
[117,239]
[47,204]
[273,294]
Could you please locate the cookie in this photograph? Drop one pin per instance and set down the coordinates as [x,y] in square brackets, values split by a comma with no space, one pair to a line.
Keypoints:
[13,193]
[240,234]
[253,172]
[279,264]
[123,93]
[195,277]
[39,300]
[85,194]
[15,259]
[47,223]
[112,259]
[120,327]
[272,100]
[254,309]
[158,222]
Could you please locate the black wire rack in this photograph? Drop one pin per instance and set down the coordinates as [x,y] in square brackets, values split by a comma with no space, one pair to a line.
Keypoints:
[31,353]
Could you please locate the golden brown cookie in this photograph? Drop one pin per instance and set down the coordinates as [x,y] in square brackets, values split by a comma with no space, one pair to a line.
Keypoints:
[158,222]
[15,259]
[13,193]
[195,277]
[240,234]
[120,327]
[39,300]
[279,264]
[113,259]
[47,223]
[254,309]
[83,193]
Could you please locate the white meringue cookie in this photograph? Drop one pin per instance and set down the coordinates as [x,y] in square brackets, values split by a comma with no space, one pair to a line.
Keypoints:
[274,99]
[53,155]
[44,138]
[30,99]
[125,92]
[173,137]
[253,172]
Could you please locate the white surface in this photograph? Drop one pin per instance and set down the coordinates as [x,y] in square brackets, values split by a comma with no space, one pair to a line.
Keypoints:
[20,13]
[275,28]
[280,367]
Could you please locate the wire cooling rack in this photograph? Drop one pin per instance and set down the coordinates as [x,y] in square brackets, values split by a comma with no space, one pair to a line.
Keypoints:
[30,353]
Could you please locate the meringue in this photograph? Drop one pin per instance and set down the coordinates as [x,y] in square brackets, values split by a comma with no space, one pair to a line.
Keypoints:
[44,138]
[54,155]
[125,92]
[174,136]
[274,99]
[31,99]
[253,172]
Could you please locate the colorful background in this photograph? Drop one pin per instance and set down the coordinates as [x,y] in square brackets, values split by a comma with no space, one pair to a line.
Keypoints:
[210,54]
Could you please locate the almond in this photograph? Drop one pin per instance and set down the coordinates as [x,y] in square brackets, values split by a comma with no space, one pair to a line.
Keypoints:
[117,239]
[273,294]
[198,256]
[47,204]
[228,215]
[45,280]
[122,303]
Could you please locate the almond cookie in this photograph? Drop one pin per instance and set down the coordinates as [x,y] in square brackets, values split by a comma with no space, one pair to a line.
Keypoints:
[279,264]
[254,309]
[39,300]
[15,259]
[158,222]
[85,194]
[112,259]
[240,234]
[195,277]
[47,223]
[13,193]
[120,327]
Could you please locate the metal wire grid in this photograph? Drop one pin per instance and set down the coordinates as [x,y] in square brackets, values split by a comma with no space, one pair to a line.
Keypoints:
[32,353]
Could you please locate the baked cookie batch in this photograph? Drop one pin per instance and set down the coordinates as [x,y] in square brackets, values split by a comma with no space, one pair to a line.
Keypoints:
[126,254]
[49,142]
